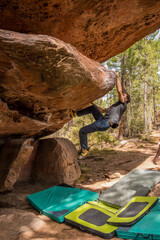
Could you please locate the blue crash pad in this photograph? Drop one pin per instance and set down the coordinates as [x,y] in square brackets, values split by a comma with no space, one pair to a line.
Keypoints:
[147,228]
[56,202]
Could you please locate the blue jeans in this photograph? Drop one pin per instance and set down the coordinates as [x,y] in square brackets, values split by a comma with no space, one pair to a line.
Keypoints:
[99,125]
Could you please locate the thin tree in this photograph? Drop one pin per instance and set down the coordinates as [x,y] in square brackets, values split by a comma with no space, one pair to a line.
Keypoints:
[123,82]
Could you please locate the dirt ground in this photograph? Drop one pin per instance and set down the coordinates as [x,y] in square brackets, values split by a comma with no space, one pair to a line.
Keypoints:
[100,170]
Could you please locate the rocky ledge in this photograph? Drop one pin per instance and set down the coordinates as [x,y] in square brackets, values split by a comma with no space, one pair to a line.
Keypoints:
[41,78]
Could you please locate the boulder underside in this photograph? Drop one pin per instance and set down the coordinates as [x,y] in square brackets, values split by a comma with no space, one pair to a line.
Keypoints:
[98,29]
[41,78]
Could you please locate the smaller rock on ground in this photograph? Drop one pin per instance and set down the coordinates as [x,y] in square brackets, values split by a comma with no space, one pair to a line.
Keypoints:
[56,161]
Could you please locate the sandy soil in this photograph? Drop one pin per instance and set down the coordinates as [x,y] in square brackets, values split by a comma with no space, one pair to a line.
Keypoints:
[100,170]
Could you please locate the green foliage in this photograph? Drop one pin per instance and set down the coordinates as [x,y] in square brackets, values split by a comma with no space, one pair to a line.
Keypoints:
[141,71]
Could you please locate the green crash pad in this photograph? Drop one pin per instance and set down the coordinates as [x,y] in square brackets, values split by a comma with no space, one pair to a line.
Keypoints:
[93,219]
[56,202]
[133,211]
[147,228]
[138,182]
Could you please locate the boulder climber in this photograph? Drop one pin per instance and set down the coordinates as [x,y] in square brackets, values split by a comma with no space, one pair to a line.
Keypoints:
[41,78]
[98,29]
[56,161]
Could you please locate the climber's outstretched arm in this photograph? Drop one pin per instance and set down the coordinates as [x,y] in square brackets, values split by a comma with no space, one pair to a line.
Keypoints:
[119,88]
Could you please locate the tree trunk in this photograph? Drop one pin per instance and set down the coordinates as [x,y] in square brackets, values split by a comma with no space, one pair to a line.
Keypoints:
[150,115]
[123,71]
[121,129]
[145,107]
[154,105]
[123,82]
[130,111]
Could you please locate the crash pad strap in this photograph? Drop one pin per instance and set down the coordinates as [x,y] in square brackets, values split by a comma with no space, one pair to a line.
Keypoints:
[146,237]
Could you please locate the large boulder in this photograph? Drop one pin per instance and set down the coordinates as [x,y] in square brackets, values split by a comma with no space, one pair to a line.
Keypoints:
[51,160]
[41,78]
[56,161]
[14,154]
[98,29]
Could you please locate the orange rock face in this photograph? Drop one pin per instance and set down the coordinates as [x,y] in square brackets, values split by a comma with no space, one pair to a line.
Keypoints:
[98,29]
[41,78]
